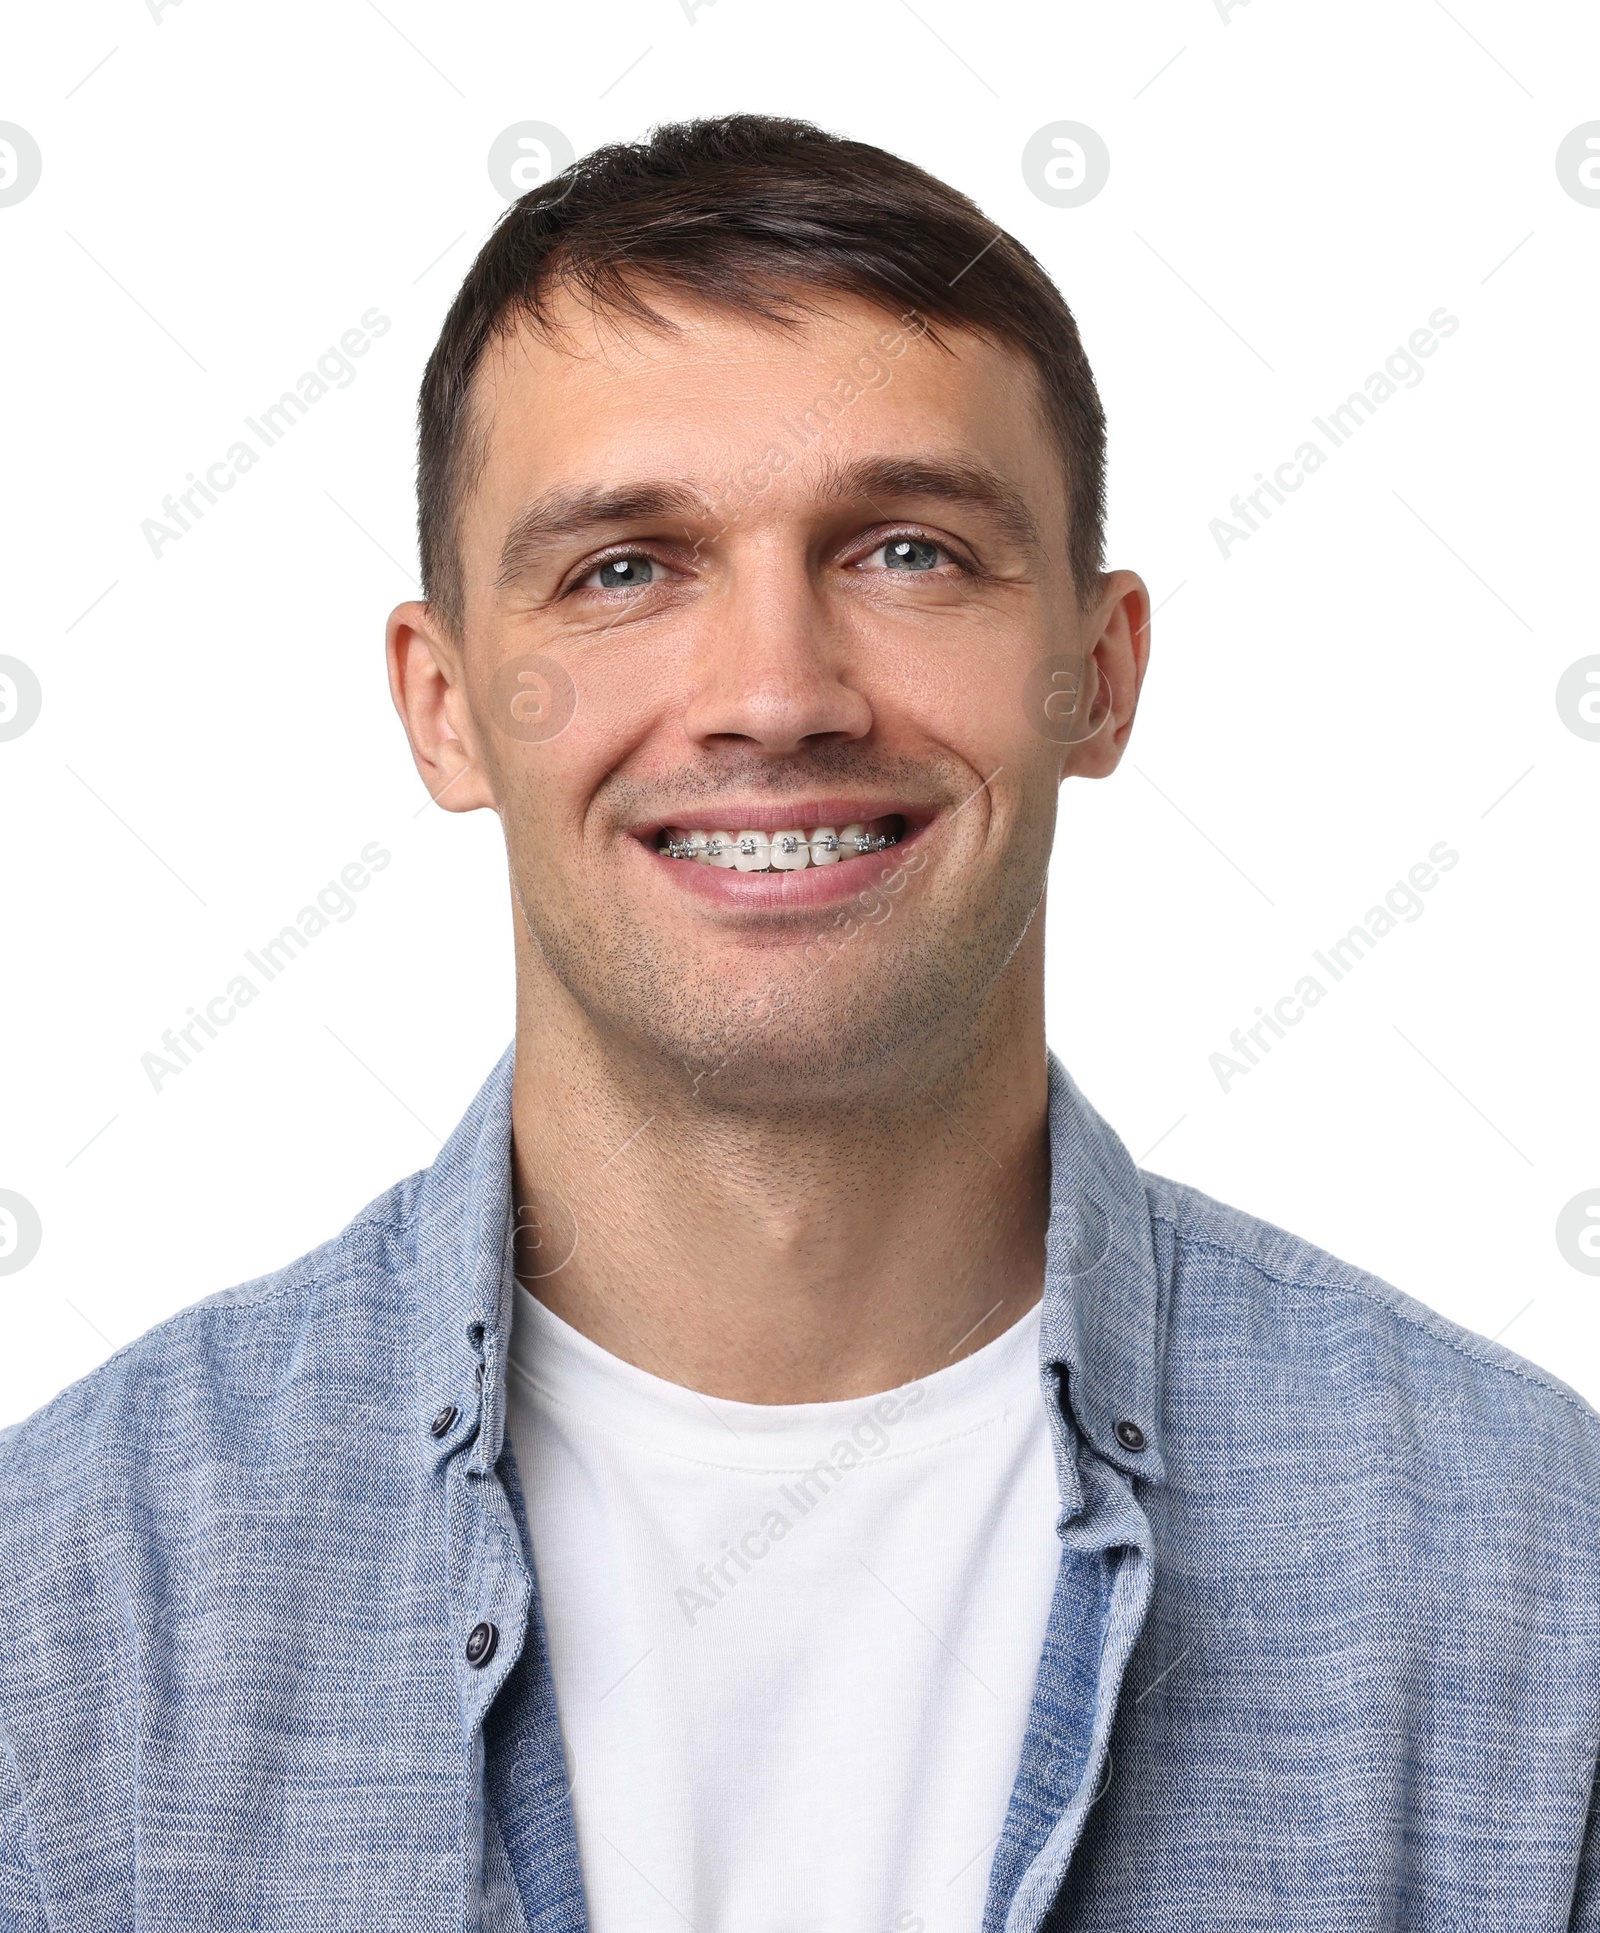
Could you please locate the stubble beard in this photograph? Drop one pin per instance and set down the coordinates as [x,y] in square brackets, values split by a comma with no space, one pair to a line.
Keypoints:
[856,1012]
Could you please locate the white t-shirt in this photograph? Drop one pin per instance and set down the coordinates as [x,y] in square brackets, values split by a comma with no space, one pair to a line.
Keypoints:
[794,1645]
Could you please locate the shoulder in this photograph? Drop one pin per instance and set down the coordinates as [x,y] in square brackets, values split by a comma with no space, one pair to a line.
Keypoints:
[214,1372]
[1372,1351]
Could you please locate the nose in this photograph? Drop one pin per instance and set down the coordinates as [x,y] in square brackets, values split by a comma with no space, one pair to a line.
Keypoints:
[769,671]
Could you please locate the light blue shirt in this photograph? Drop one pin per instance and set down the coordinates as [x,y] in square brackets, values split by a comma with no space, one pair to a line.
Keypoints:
[1324,1655]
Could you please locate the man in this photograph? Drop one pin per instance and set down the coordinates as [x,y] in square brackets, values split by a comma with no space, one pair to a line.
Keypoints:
[783,1466]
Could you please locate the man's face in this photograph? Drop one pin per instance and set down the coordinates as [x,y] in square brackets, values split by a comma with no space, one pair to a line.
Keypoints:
[801,587]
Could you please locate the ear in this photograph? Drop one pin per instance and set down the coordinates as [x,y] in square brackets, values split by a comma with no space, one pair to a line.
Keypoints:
[1117,636]
[427,683]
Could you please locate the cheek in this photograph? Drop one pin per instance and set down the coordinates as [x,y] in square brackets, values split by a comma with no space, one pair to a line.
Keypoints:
[541,786]
[553,723]
[969,692]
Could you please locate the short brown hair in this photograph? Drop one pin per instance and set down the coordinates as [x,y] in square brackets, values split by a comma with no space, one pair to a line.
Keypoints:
[763,215]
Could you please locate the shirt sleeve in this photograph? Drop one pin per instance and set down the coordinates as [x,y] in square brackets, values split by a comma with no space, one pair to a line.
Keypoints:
[21,1908]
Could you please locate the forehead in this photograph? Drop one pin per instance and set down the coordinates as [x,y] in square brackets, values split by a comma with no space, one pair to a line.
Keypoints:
[599,399]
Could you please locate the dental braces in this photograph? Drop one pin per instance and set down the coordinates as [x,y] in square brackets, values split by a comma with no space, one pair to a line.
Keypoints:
[788,843]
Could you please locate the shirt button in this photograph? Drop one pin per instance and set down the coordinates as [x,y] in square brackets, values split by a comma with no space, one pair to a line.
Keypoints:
[1129,1435]
[482,1641]
[444,1422]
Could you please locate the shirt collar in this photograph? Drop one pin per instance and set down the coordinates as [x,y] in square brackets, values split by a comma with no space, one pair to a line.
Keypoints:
[1099,1321]
[462,1295]
[1100,1328]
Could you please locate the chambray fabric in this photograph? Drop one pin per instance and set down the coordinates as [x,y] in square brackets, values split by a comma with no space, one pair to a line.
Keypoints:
[1324,1657]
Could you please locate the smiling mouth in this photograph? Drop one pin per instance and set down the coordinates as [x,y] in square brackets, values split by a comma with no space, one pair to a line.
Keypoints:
[786,849]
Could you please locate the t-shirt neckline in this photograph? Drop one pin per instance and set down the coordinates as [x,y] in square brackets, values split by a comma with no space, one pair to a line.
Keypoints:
[552,1360]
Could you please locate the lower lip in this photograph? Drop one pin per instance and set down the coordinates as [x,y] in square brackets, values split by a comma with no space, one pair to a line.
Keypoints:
[804,890]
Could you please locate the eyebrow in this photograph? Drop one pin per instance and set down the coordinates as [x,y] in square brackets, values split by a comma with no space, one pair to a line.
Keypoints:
[560,514]
[956,480]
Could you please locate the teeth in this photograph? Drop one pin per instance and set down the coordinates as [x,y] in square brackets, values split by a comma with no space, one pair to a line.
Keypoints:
[787,851]
[752,852]
[791,852]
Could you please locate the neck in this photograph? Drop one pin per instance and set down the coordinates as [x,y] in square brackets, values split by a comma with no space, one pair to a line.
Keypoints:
[796,1252]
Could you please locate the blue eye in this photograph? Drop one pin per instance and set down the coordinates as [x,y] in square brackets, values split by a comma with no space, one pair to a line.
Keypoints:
[910,554]
[624,573]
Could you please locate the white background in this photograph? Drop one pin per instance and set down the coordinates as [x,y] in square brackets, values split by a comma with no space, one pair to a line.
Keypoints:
[1293,190]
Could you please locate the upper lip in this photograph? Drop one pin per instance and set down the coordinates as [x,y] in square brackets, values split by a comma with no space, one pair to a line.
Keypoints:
[714,815]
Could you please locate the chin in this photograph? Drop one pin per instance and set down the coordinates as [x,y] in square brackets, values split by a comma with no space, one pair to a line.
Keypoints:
[757,1020]
[788,1040]
[867,1026]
